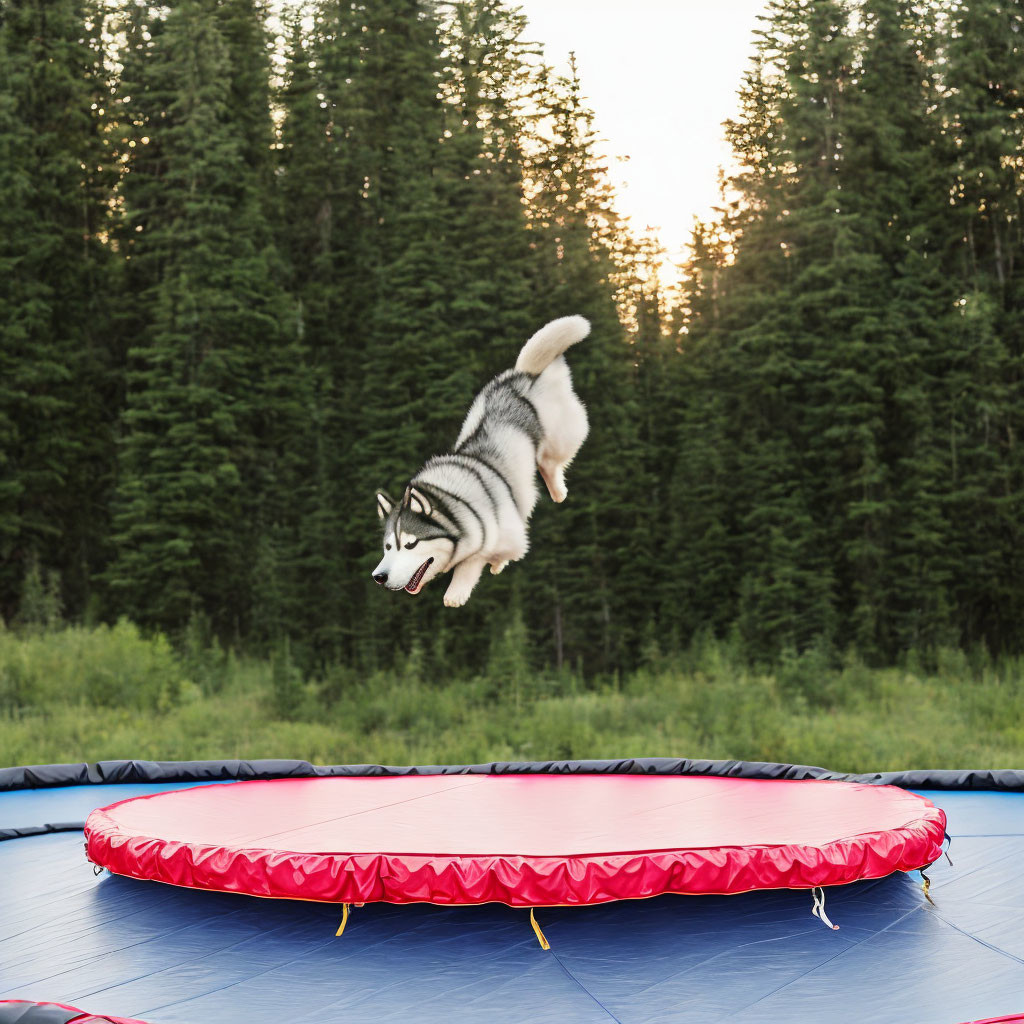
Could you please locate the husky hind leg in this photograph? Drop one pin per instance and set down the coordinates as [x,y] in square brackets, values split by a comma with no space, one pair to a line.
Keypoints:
[564,421]
[553,475]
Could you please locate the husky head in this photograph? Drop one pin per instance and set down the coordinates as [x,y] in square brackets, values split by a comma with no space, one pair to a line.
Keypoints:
[417,547]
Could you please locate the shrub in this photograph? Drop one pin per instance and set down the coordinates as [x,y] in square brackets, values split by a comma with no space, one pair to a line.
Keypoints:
[810,675]
[111,666]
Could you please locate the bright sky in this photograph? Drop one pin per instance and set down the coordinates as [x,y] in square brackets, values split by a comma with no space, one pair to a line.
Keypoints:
[661,77]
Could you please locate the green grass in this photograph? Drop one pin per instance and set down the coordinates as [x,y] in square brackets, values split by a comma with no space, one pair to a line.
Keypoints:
[77,694]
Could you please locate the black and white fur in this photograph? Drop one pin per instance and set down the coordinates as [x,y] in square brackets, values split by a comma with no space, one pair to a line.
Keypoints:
[471,507]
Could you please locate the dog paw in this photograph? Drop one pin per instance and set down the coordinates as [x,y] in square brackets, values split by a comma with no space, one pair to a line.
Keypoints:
[497,567]
[455,600]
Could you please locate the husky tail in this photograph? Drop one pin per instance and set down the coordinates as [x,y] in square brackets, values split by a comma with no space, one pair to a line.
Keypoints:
[550,342]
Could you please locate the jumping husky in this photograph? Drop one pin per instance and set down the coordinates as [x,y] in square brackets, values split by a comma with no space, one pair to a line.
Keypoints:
[471,507]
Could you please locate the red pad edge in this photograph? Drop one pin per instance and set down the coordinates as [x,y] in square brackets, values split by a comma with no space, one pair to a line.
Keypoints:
[336,840]
[82,1018]
[1014,1018]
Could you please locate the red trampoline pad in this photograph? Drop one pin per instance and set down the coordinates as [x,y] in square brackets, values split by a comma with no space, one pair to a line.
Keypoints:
[524,840]
[59,1013]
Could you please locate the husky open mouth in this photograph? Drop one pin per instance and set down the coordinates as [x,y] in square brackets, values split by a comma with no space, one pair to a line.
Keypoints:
[413,585]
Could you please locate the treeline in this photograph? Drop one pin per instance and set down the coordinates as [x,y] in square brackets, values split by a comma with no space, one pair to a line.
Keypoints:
[850,460]
[252,271]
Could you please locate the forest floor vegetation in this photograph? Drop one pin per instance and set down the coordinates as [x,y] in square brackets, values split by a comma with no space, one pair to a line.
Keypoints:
[78,694]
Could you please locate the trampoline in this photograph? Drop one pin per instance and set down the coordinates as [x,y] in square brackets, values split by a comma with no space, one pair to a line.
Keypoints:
[122,948]
[522,840]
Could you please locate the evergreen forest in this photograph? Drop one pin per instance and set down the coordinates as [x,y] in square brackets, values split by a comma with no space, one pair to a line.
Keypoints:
[255,263]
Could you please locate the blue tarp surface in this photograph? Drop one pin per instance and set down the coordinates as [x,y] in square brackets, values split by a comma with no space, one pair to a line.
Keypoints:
[175,956]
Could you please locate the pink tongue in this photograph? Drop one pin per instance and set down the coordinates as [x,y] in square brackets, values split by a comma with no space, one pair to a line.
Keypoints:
[415,581]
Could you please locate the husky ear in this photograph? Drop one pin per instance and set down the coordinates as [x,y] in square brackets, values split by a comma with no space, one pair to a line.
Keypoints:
[384,505]
[418,502]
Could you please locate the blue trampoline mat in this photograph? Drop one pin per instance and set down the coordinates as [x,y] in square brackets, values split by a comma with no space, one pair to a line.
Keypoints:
[176,956]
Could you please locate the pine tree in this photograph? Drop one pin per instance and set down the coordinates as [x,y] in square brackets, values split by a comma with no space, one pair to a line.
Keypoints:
[483,77]
[592,601]
[657,394]
[323,237]
[55,295]
[895,183]
[210,403]
[773,310]
[981,409]
[701,591]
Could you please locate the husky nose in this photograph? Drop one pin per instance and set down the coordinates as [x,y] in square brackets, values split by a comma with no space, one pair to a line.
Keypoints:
[380,577]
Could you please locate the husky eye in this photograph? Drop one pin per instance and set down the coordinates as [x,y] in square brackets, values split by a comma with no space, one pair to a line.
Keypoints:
[411,545]
[387,547]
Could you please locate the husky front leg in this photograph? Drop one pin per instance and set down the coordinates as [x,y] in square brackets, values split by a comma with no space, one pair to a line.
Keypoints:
[464,579]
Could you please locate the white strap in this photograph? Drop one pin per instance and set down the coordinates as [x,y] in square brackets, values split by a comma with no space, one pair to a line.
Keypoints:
[819,908]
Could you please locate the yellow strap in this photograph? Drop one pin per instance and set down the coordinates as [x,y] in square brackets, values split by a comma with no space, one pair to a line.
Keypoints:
[344,919]
[540,935]
[926,885]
